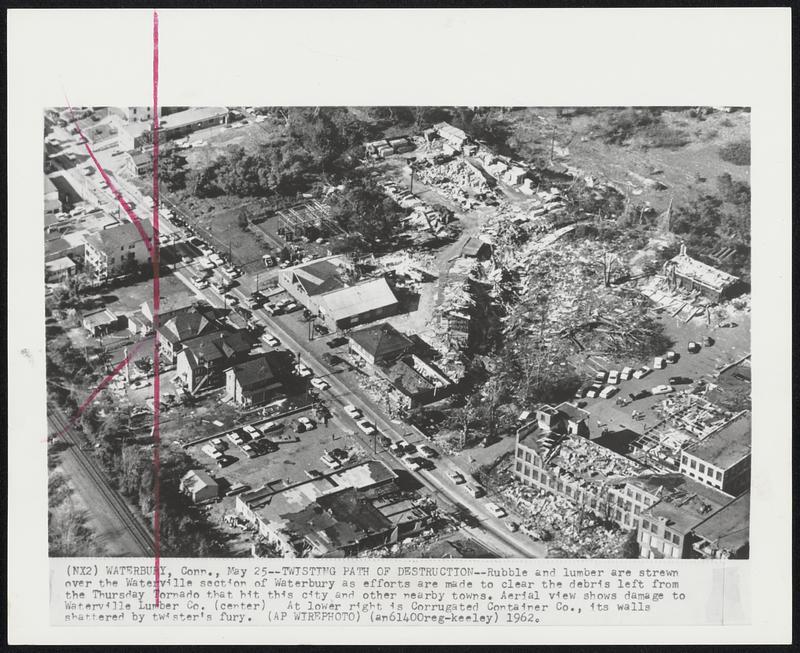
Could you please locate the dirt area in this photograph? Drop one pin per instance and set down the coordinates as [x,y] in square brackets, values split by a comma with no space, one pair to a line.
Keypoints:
[685,170]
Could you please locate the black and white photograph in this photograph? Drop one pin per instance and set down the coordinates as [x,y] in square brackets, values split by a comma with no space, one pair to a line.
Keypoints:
[415,332]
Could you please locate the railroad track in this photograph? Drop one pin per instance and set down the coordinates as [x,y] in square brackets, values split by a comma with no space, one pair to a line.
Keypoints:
[142,536]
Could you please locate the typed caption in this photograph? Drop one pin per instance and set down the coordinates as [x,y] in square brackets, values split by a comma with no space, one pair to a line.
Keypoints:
[261,592]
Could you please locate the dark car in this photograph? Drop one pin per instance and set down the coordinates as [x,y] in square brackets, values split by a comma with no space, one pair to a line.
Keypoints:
[385,442]
[708,341]
[321,329]
[679,380]
[336,342]
[424,463]
[639,395]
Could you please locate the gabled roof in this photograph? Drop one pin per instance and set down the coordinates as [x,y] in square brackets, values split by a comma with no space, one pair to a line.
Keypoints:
[256,373]
[197,479]
[355,300]
[572,412]
[381,340]
[114,239]
[187,325]
[216,347]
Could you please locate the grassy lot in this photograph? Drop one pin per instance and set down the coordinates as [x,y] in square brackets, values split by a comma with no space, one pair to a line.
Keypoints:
[686,170]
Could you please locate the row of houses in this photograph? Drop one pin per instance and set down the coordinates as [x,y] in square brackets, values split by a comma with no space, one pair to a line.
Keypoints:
[685,514]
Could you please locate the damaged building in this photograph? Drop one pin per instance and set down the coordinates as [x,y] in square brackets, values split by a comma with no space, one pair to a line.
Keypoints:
[691,275]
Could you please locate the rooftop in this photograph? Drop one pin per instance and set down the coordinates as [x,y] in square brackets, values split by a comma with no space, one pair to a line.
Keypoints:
[687,504]
[118,237]
[215,346]
[728,528]
[60,264]
[186,325]
[354,300]
[198,114]
[197,479]
[381,340]
[578,457]
[141,158]
[320,276]
[686,266]
[103,317]
[572,412]
[448,131]
[471,246]
[256,372]
[728,445]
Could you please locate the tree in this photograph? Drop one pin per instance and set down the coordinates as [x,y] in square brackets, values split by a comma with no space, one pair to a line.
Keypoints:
[202,182]
[172,168]
[362,207]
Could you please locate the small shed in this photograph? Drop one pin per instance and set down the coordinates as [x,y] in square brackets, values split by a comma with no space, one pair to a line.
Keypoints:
[199,486]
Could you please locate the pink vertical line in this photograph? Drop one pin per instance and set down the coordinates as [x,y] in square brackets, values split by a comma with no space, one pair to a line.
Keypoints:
[156,307]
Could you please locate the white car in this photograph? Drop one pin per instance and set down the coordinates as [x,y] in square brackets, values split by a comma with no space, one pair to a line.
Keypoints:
[613,377]
[271,340]
[231,299]
[496,510]
[218,444]
[303,370]
[642,372]
[306,422]
[662,389]
[141,383]
[426,451]
[319,384]
[252,431]
[270,426]
[201,284]
[659,363]
[626,374]
[235,438]
[366,426]
[608,391]
[412,464]
[352,411]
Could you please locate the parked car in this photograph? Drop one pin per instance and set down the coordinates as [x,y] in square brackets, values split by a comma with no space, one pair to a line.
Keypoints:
[319,384]
[708,341]
[496,510]
[662,389]
[641,394]
[594,390]
[456,477]
[231,299]
[608,391]
[672,357]
[601,376]
[642,372]
[512,526]
[613,377]
[386,442]
[352,411]
[366,427]
[271,340]
[476,491]
[410,462]
[427,451]
[252,431]
[626,374]
[303,370]
[680,380]
[313,473]
[659,363]
[694,347]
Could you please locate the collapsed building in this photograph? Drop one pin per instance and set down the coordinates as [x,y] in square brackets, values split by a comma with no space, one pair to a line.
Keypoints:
[670,513]
[691,275]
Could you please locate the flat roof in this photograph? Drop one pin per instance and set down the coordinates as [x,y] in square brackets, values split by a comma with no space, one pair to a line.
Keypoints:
[61,263]
[197,114]
[688,504]
[355,300]
[726,446]
[119,236]
[728,528]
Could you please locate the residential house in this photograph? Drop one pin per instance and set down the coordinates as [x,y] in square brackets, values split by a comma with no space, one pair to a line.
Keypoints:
[199,486]
[118,250]
[185,325]
[379,343]
[102,322]
[203,360]
[338,514]
[722,459]
[60,269]
[256,381]
[682,271]
[169,306]
[416,381]
[139,163]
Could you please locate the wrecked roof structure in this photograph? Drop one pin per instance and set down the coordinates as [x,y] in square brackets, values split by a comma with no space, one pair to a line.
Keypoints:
[684,271]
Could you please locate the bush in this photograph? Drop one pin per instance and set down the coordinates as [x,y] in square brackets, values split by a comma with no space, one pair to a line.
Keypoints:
[737,153]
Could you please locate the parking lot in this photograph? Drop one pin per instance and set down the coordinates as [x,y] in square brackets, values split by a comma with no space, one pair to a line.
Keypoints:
[730,344]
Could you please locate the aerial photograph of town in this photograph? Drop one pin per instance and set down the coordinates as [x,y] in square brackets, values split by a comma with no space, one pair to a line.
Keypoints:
[398,332]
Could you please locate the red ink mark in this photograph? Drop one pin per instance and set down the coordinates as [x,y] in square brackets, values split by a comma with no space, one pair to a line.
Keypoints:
[134,218]
[156,305]
[100,387]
